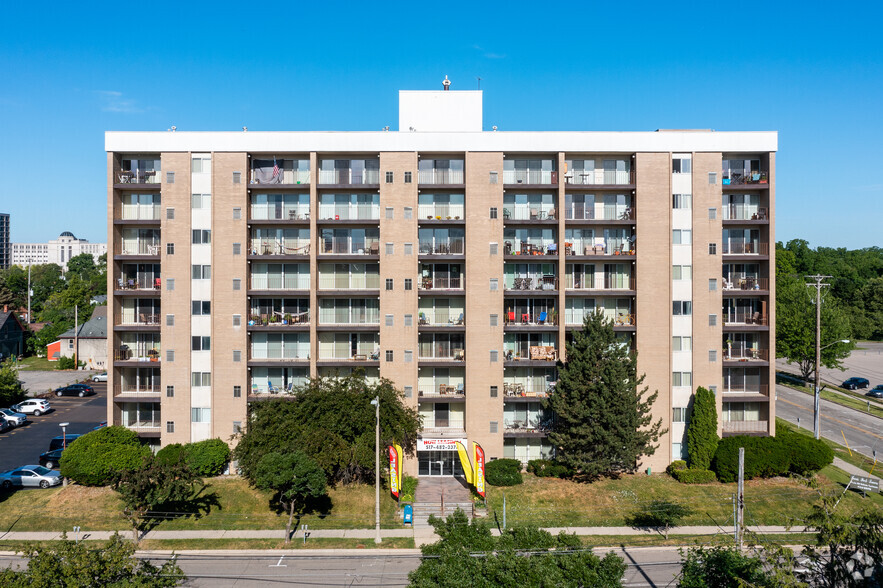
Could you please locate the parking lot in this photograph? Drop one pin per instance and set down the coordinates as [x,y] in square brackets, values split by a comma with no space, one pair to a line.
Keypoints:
[23,445]
[865,362]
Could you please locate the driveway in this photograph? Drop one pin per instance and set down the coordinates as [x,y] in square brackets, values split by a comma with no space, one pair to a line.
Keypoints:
[40,382]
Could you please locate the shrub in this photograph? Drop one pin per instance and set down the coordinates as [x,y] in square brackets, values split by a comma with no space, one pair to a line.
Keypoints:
[170,454]
[676,466]
[766,457]
[694,476]
[409,488]
[702,436]
[207,458]
[98,457]
[503,472]
[547,468]
[68,363]
[807,455]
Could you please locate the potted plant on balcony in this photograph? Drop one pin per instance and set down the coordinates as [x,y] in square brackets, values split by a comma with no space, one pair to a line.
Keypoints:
[286,320]
[153,354]
[552,318]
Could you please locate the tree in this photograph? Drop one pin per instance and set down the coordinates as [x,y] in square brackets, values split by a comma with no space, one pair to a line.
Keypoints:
[662,514]
[153,484]
[99,457]
[728,567]
[522,556]
[702,436]
[602,422]
[11,391]
[796,327]
[332,421]
[74,565]
[294,477]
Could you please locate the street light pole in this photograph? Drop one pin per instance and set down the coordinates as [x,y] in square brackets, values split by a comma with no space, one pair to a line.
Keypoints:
[376,403]
[64,443]
[818,279]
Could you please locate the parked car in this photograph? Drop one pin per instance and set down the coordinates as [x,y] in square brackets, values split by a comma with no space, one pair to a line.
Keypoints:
[875,392]
[34,406]
[855,383]
[61,442]
[4,425]
[12,417]
[100,377]
[75,390]
[50,459]
[30,476]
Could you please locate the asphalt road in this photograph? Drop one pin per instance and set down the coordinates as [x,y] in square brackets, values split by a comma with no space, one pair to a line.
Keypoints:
[23,445]
[863,432]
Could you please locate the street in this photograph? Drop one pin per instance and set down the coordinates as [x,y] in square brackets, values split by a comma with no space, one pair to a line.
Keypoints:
[23,445]
[863,432]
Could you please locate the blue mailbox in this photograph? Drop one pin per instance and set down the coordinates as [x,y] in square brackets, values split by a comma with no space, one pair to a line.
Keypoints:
[409,515]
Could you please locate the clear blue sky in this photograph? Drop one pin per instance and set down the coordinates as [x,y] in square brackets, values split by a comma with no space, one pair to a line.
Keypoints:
[810,70]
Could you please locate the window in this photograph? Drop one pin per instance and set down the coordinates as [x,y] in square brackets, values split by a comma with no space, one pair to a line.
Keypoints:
[237,284]
[237,320]
[682,272]
[237,427]
[495,356]
[389,355]
[201,272]
[408,176]
[200,415]
[712,320]
[493,211]
[682,378]
[494,392]
[237,213]
[679,201]
[389,283]
[681,237]
[712,284]
[495,320]
[712,248]
[677,451]
[170,284]
[170,248]
[170,177]
[389,212]
[200,343]
[409,391]
[712,355]
[389,176]
[170,214]
[494,248]
[170,355]
[170,320]
[200,307]
[681,343]
[200,379]
[237,355]
[713,390]
[682,308]
[712,177]
[170,391]
[201,165]
[681,165]
[493,177]
[409,356]
[494,426]
[237,391]
[679,415]
[389,320]
[390,249]
[409,248]
[170,425]
[409,284]
[237,248]
[409,320]
[409,213]
[494,283]
[200,201]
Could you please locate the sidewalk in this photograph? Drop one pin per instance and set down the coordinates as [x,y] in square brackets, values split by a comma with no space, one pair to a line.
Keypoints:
[855,471]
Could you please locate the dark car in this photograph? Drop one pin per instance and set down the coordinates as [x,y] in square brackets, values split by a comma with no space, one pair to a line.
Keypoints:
[75,390]
[61,442]
[50,459]
[855,383]
[876,392]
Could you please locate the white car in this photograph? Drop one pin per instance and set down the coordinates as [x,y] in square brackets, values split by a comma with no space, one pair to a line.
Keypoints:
[13,418]
[30,476]
[100,377]
[34,406]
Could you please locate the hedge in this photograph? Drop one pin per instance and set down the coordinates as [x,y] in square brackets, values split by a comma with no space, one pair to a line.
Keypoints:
[694,476]
[766,457]
[205,458]
[503,472]
[171,454]
[675,466]
[98,457]
[547,468]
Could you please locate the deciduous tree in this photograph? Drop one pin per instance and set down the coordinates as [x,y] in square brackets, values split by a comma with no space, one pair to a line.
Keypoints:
[294,477]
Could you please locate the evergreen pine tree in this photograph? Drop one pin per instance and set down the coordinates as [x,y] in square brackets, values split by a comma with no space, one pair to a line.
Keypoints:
[602,421]
[702,436]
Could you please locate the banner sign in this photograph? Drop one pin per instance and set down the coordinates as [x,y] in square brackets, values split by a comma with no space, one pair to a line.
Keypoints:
[479,469]
[438,444]
[395,470]
[464,461]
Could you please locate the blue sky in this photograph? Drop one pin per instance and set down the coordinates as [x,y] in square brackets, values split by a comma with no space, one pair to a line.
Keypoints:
[70,71]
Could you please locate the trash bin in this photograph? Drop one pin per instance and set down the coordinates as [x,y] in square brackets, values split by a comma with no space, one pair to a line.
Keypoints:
[409,515]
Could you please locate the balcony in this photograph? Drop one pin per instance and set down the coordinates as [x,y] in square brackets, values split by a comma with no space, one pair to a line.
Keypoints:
[262,281]
[514,248]
[139,285]
[741,177]
[136,389]
[272,348]
[349,277]
[740,283]
[139,212]
[448,317]
[530,177]
[622,320]
[278,320]
[444,247]
[136,318]
[532,353]
[745,317]
[263,213]
[451,209]
[278,171]
[436,347]
[741,391]
[139,353]
[746,248]
[445,392]
[440,172]
[349,172]
[529,208]
[744,427]
[746,354]
[588,172]
[140,248]
[531,284]
[141,172]
[284,247]
[736,212]
[441,277]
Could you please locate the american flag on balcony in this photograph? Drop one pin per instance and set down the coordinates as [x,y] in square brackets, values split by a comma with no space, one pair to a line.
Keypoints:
[275,168]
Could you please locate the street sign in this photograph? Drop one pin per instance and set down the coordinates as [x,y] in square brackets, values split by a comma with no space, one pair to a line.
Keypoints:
[865,484]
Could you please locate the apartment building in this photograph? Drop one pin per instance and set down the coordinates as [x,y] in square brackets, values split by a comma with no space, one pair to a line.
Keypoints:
[454,261]
[58,251]
[5,248]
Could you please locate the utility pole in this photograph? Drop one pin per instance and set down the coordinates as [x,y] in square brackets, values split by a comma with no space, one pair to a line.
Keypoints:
[76,335]
[740,512]
[376,403]
[819,283]
[29,291]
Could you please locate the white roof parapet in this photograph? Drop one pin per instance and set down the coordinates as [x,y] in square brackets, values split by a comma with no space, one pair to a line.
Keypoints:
[404,141]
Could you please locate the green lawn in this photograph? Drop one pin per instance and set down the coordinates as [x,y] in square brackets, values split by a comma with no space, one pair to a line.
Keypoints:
[193,544]
[35,363]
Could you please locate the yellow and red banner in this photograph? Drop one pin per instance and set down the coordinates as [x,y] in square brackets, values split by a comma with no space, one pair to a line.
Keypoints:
[464,461]
[478,453]
[395,469]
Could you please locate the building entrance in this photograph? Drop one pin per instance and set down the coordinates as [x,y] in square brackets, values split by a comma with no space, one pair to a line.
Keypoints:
[439,463]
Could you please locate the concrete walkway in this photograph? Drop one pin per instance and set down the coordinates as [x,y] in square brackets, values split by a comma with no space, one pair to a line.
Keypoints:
[855,471]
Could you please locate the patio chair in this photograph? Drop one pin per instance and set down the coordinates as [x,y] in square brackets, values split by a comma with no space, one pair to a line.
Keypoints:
[157,283]
[375,249]
[421,318]
[525,317]
[518,283]
[131,284]
[461,318]
[510,316]
[120,284]
[542,318]
[526,283]
[461,388]
[534,213]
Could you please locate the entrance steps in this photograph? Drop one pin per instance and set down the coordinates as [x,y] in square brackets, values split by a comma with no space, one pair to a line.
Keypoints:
[422,511]
[440,496]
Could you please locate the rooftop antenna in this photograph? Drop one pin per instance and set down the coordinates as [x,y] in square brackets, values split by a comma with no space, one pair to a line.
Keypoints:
[446,84]
[479,82]
[244,129]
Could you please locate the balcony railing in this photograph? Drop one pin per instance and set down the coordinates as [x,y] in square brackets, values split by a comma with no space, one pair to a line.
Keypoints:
[442,317]
[285,247]
[739,212]
[280,212]
[537,212]
[282,176]
[141,318]
[138,354]
[280,282]
[526,390]
[745,388]
[279,318]
[605,177]
[441,211]
[745,426]
[139,177]
[746,354]
[745,283]
[373,356]
[526,248]
[534,425]
[454,354]
[454,246]
[745,318]
[529,176]
[140,248]
[344,247]
[743,248]
[535,282]
[144,426]
[599,248]
[349,177]
[140,212]
[445,390]
[512,317]
[364,282]
[533,353]
[147,389]
[733,178]
[588,213]
[139,284]
[349,211]
[354,317]
[440,176]
[441,283]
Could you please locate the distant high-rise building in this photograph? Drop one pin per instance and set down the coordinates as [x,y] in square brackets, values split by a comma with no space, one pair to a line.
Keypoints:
[5,249]
[55,251]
